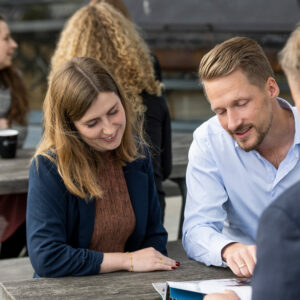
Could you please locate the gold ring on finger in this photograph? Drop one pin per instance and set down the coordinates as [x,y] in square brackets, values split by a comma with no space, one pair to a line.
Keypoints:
[160,260]
[242,266]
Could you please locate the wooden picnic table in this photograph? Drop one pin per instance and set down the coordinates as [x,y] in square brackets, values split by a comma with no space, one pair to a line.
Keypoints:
[117,285]
[14,172]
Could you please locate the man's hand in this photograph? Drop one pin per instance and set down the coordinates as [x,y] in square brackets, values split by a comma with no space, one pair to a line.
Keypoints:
[240,258]
[227,295]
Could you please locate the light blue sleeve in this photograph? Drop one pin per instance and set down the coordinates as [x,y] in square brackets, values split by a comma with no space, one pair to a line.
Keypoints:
[204,211]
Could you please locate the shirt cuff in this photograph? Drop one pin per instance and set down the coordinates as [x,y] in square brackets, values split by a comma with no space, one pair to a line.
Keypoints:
[217,248]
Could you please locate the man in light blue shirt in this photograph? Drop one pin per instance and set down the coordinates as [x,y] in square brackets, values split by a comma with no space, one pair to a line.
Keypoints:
[240,160]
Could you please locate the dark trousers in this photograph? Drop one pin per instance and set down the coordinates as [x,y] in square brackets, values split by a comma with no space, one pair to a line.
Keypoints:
[14,244]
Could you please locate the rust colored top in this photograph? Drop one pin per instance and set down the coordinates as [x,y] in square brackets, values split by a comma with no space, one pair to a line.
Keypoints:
[114,214]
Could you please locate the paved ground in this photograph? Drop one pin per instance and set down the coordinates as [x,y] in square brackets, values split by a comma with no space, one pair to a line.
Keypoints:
[172,214]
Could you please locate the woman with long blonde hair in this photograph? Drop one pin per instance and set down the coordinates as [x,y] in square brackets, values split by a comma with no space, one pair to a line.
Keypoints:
[102,32]
[92,204]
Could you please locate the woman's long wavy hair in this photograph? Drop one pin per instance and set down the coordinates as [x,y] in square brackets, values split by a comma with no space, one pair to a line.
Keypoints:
[117,4]
[10,78]
[101,32]
[73,88]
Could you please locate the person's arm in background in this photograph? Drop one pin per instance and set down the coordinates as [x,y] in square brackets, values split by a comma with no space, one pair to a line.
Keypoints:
[162,137]
[166,147]
[3,123]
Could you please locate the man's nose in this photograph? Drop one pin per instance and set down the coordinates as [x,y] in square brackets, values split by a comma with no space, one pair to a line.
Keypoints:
[233,120]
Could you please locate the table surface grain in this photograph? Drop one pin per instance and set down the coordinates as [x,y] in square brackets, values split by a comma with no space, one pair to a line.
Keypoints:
[117,285]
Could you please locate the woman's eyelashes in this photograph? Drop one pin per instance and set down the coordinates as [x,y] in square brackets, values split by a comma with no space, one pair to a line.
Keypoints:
[113,112]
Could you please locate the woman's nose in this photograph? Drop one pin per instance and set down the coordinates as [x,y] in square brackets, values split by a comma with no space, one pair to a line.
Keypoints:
[108,128]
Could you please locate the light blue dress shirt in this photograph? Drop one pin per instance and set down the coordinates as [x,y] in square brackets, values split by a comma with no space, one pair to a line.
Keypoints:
[228,189]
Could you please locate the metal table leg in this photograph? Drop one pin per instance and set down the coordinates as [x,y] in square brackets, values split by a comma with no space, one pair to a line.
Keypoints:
[182,186]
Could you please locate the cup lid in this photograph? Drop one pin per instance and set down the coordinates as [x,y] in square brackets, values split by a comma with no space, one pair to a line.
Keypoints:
[8,132]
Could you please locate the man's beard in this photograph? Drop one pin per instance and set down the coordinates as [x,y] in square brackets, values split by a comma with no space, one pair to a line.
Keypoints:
[260,135]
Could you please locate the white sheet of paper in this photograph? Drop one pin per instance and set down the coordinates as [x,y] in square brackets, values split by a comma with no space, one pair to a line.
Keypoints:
[238,285]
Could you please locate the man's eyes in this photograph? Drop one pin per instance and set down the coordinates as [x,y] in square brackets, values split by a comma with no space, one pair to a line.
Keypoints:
[242,103]
[220,112]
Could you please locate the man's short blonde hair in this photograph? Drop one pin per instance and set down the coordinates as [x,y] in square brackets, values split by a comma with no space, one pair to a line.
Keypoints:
[289,56]
[237,53]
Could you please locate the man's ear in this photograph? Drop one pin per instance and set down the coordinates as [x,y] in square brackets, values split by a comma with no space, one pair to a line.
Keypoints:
[272,87]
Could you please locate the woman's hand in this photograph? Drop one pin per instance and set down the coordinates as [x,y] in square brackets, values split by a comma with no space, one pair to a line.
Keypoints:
[149,259]
[3,123]
[144,260]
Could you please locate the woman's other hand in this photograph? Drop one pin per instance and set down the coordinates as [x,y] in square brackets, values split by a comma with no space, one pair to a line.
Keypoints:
[149,259]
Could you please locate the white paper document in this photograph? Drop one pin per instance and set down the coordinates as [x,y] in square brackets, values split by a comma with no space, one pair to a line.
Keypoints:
[241,286]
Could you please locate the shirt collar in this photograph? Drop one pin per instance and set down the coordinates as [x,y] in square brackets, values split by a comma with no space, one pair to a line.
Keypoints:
[285,104]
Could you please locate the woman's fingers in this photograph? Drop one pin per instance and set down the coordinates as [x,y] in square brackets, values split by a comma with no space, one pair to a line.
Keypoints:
[149,259]
[167,263]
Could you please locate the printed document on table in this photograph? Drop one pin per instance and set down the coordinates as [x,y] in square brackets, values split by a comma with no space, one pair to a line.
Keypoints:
[186,289]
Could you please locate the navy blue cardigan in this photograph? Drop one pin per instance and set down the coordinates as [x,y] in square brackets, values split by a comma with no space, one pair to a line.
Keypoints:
[60,225]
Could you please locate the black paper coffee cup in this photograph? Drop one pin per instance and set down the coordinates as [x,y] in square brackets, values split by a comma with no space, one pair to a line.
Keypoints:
[8,143]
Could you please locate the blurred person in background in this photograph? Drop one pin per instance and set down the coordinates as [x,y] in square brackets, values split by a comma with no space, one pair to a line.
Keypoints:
[13,97]
[92,204]
[13,113]
[105,32]
[277,272]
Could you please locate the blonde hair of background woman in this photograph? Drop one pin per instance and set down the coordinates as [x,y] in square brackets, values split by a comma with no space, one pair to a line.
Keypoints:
[117,4]
[101,32]
[289,56]
[72,89]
